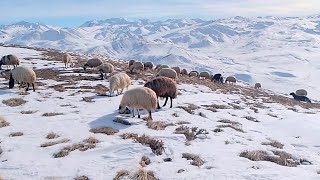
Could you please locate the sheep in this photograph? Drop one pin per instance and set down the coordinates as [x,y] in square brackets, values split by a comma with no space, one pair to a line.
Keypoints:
[10,60]
[204,75]
[23,75]
[161,67]
[163,87]
[211,76]
[137,67]
[301,92]
[300,98]
[119,81]
[131,62]
[184,72]
[257,86]
[193,74]
[95,62]
[231,79]
[157,66]
[167,72]
[141,97]
[217,78]
[105,68]
[177,69]
[148,65]
[67,59]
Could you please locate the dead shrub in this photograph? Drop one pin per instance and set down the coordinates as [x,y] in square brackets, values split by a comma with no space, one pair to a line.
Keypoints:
[49,114]
[190,133]
[28,112]
[212,109]
[255,110]
[14,134]
[157,125]
[13,102]
[217,130]
[81,178]
[272,115]
[142,174]
[52,143]
[273,143]
[122,121]
[234,106]
[87,99]
[52,135]
[121,174]
[129,135]
[3,122]
[182,122]
[91,140]
[77,146]
[231,126]
[101,90]
[227,121]
[202,115]
[59,88]
[190,108]
[251,118]
[145,161]
[104,130]
[157,146]
[196,160]
[216,106]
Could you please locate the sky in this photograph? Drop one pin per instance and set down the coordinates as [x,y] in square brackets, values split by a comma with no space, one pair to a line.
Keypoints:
[73,13]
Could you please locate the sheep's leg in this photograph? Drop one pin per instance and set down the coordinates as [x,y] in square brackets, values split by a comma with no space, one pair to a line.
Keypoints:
[121,91]
[150,116]
[33,87]
[165,103]
[133,113]
[28,84]
[171,102]
[158,103]
[117,92]
[138,112]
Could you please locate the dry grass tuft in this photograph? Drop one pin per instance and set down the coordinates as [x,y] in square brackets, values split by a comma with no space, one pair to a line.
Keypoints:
[202,115]
[121,174]
[231,126]
[129,135]
[182,122]
[49,114]
[101,90]
[157,125]
[104,130]
[87,99]
[28,112]
[255,110]
[81,178]
[142,174]
[227,121]
[196,160]
[3,122]
[13,102]
[175,114]
[14,134]
[52,135]
[157,146]
[52,143]
[190,133]
[59,88]
[217,130]
[216,106]
[122,121]
[251,118]
[77,146]
[145,161]
[190,108]
[273,143]
[234,106]
[91,140]
[272,115]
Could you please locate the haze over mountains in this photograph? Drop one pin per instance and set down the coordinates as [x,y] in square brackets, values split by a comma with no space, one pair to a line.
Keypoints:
[281,53]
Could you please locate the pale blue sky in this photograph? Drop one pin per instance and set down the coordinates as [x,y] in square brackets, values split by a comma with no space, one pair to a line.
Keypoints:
[75,12]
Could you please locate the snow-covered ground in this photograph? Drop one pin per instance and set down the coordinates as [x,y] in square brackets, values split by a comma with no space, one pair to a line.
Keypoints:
[23,158]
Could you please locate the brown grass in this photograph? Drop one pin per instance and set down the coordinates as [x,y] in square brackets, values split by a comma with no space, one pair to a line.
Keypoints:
[190,108]
[227,121]
[216,106]
[52,143]
[49,114]
[104,130]
[234,106]
[231,126]
[101,90]
[129,135]
[142,174]
[88,99]
[77,146]
[81,178]
[157,125]
[121,174]
[13,102]
[273,143]
[157,146]
[145,161]
[122,121]
[182,122]
[52,135]
[190,133]
[251,118]
[196,160]
[59,88]
[91,140]
[14,134]
[28,112]
[3,122]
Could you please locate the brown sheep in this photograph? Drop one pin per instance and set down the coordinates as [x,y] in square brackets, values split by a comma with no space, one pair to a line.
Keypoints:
[204,75]
[137,66]
[184,72]
[148,65]
[231,79]
[194,74]
[131,62]
[257,86]
[177,69]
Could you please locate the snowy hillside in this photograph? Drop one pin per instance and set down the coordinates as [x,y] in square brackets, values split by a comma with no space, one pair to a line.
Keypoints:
[45,133]
[282,53]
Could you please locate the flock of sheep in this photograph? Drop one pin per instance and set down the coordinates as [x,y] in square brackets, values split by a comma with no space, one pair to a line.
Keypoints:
[162,85]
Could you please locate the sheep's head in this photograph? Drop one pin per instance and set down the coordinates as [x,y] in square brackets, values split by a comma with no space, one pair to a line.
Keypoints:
[292,94]
[124,110]
[85,66]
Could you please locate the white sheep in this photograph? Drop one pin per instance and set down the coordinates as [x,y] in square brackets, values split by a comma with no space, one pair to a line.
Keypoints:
[23,75]
[95,62]
[67,59]
[257,86]
[141,97]
[137,67]
[119,81]
[161,67]
[105,68]
[204,75]
[167,72]
[231,79]
[301,92]
[177,69]
[148,65]
[10,60]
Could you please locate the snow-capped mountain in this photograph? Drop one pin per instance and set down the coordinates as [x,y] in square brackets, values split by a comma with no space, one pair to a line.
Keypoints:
[279,52]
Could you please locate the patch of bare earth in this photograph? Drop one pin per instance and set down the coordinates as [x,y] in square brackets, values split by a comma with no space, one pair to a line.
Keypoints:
[52,143]
[101,90]
[196,160]
[104,130]
[3,122]
[13,102]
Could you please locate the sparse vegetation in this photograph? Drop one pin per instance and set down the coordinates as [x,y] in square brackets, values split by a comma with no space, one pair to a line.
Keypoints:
[15,134]
[52,143]
[273,143]
[182,122]
[202,115]
[104,130]
[13,102]
[91,140]
[49,114]
[190,133]
[216,106]
[251,119]
[218,130]
[175,114]
[145,161]
[28,112]
[59,88]
[88,99]
[157,125]
[52,135]
[227,121]
[235,106]
[129,135]
[122,121]
[142,174]
[81,178]
[272,115]
[190,108]
[121,174]
[3,122]
[101,90]
[157,146]
[196,160]
[231,126]
[77,146]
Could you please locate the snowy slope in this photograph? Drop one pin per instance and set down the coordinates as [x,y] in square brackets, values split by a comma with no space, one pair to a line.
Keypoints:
[23,158]
[282,53]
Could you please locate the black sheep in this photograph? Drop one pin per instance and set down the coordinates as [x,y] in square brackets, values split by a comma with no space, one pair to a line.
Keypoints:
[300,98]
[217,78]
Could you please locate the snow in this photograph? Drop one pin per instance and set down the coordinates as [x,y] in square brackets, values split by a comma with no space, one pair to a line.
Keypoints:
[23,158]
